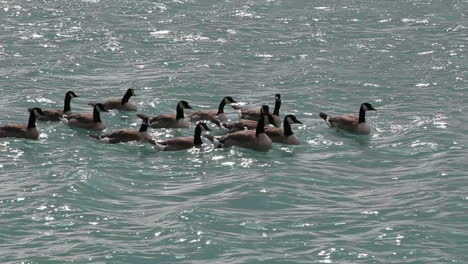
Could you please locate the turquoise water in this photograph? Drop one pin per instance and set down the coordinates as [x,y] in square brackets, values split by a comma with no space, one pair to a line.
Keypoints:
[396,196]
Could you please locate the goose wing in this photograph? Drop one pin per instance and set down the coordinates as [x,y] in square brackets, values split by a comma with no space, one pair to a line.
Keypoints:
[250,114]
[166,120]
[178,143]
[124,135]
[345,121]
[240,138]
[81,118]
[241,125]
[51,115]
[12,129]
[276,134]
[203,115]
[113,103]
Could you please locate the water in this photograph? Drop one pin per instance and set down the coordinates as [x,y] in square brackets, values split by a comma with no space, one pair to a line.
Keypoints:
[396,196]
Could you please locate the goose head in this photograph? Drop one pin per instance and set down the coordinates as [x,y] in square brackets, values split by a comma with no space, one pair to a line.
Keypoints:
[36,111]
[265,110]
[130,92]
[277,97]
[367,107]
[291,119]
[229,100]
[100,108]
[184,105]
[71,94]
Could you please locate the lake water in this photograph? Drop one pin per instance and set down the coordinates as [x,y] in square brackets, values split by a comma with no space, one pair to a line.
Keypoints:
[398,195]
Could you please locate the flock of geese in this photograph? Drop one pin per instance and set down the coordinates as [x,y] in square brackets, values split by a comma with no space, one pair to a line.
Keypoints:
[257,129]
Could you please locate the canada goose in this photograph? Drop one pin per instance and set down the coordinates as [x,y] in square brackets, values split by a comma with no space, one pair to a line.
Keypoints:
[254,114]
[215,116]
[171,120]
[182,143]
[57,114]
[28,131]
[87,121]
[244,124]
[351,123]
[121,104]
[284,135]
[126,135]
[250,139]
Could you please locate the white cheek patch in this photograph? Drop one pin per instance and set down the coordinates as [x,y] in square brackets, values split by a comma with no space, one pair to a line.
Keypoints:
[36,113]
[365,107]
[290,120]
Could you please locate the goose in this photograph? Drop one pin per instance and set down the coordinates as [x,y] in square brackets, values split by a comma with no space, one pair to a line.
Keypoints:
[254,114]
[215,116]
[284,135]
[28,131]
[57,114]
[85,120]
[256,140]
[171,120]
[121,104]
[182,143]
[244,124]
[126,135]
[351,123]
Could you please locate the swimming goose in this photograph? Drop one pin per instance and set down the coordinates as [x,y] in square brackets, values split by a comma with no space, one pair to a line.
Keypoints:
[87,121]
[57,114]
[254,114]
[182,143]
[284,135]
[245,124]
[171,120]
[126,135]
[28,131]
[121,104]
[351,123]
[215,116]
[256,140]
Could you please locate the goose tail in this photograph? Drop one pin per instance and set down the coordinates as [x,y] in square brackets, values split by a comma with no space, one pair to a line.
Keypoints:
[102,139]
[213,140]
[64,119]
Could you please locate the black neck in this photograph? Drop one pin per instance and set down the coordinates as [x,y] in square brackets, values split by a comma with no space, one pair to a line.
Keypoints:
[66,104]
[96,115]
[32,120]
[221,107]
[126,97]
[277,107]
[287,128]
[260,125]
[144,126]
[362,115]
[180,112]
[271,120]
[197,137]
